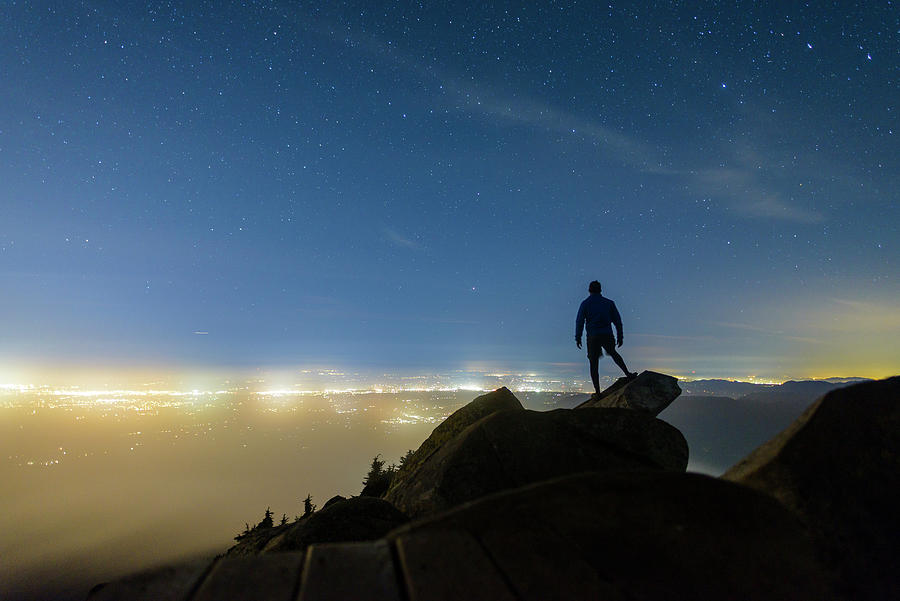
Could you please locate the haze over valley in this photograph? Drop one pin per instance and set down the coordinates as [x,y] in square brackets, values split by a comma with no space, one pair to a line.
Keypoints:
[113,481]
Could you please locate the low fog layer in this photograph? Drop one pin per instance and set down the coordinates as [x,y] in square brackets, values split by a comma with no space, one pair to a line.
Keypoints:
[104,487]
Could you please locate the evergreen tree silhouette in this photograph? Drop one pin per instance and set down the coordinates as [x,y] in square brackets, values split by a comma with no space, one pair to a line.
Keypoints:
[375,470]
[406,458]
[378,480]
[267,520]
[308,505]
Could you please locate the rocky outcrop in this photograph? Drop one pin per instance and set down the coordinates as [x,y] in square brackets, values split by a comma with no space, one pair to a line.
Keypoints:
[499,400]
[650,392]
[838,468]
[353,519]
[509,449]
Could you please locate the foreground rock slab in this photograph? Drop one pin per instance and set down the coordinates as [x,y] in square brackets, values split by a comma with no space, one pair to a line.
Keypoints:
[838,468]
[509,449]
[650,392]
[636,536]
[369,565]
[241,579]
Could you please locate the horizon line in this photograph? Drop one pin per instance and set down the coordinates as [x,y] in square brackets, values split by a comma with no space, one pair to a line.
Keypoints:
[148,389]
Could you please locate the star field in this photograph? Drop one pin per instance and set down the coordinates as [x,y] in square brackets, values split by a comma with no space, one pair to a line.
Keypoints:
[415,186]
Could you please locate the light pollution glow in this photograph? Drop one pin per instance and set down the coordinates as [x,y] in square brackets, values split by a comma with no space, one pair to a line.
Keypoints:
[775,342]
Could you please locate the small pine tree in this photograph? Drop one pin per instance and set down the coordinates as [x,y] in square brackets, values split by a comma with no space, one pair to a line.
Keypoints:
[406,457]
[267,520]
[283,519]
[378,480]
[308,505]
[375,471]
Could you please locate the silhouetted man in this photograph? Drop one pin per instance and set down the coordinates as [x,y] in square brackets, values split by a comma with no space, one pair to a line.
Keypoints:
[598,312]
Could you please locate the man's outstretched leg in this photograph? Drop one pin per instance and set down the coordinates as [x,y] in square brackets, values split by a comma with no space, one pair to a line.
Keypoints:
[620,362]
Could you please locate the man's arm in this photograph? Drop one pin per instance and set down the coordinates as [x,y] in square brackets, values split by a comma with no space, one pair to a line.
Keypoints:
[617,321]
[579,325]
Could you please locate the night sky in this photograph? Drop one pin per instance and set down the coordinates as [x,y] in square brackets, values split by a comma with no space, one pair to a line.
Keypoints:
[431,186]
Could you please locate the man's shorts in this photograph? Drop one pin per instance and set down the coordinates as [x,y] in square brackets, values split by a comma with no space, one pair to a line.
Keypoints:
[596,344]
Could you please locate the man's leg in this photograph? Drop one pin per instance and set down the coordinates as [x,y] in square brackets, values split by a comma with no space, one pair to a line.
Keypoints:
[594,360]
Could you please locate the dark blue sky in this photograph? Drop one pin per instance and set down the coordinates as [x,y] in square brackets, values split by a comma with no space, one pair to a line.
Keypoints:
[432,186]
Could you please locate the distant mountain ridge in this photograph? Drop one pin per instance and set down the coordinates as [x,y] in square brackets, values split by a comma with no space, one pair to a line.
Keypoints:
[737,389]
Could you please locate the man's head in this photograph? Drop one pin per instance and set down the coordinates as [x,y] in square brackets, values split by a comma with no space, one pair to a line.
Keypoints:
[594,287]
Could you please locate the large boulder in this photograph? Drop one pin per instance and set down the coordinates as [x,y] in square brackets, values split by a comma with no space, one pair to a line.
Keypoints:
[341,520]
[501,399]
[838,468]
[650,392]
[509,449]
[636,536]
